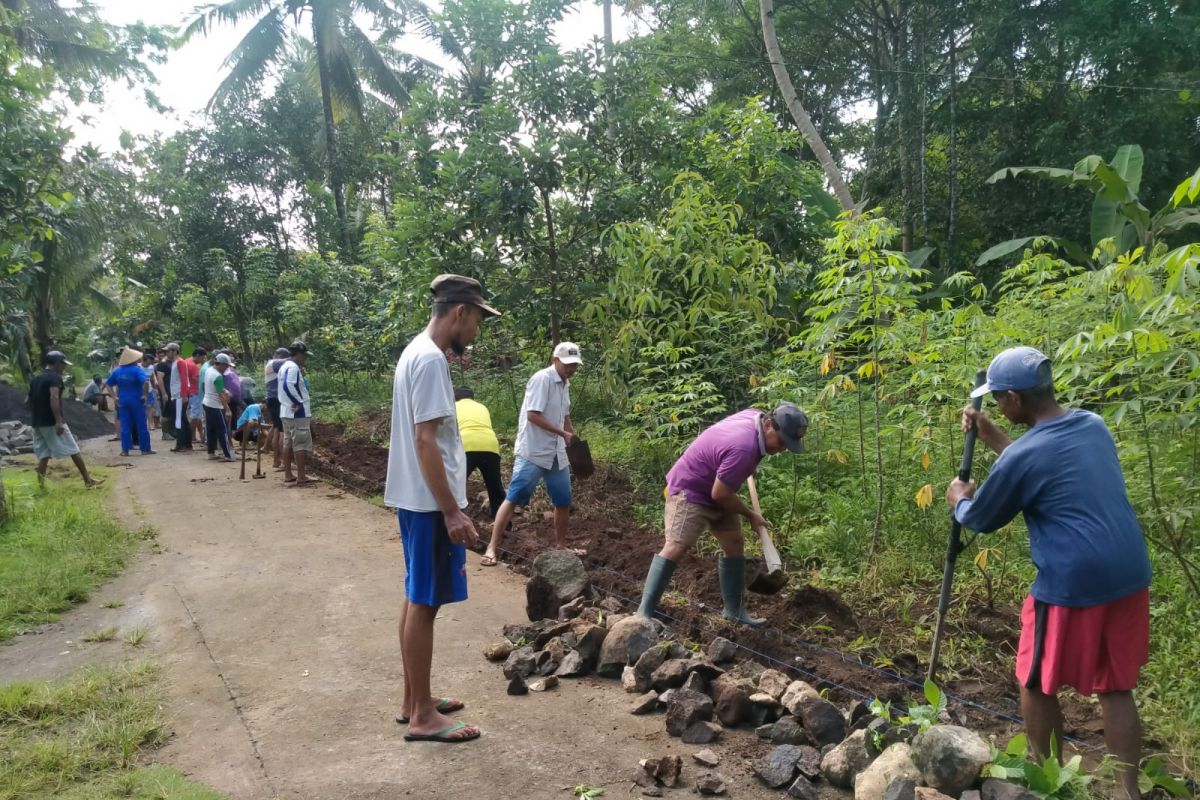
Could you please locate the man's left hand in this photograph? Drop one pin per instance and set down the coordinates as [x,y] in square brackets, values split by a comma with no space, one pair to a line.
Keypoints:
[957,490]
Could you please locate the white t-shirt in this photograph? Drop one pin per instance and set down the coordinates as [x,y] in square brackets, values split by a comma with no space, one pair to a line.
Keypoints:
[548,393]
[293,391]
[422,391]
[214,384]
[176,387]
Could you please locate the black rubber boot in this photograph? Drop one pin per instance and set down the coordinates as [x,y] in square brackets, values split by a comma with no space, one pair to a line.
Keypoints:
[658,578]
[732,572]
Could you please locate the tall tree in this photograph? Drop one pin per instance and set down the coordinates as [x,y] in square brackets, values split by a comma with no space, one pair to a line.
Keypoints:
[344,57]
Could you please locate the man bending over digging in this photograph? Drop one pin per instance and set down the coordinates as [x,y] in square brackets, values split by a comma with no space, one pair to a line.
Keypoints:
[1086,621]
[702,494]
[427,485]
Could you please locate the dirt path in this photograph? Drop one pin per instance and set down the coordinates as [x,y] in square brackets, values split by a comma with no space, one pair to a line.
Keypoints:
[273,612]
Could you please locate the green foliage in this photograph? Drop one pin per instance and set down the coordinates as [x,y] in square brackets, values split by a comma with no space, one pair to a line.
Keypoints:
[59,544]
[1046,778]
[920,715]
[85,737]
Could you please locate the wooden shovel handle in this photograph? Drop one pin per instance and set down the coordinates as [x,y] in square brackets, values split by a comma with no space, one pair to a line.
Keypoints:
[754,495]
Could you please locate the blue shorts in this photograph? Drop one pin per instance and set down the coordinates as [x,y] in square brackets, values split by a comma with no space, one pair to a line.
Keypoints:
[526,476]
[435,568]
[195,409]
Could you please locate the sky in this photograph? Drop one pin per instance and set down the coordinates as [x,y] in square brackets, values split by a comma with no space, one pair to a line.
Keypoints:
[191,74]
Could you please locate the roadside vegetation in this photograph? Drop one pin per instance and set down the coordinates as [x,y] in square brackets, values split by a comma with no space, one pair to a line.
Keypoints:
[57,546]
[86,737]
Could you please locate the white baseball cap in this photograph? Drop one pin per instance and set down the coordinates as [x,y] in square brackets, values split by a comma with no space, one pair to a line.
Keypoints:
[568,353]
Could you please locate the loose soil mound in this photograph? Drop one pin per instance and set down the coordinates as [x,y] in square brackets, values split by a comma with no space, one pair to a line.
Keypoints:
[809,628]
[83,421]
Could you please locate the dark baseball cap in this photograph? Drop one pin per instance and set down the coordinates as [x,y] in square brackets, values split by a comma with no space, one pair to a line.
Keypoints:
[57,357]
[792,424]
[297,347]
[460,289]
[200,351]
[282,352]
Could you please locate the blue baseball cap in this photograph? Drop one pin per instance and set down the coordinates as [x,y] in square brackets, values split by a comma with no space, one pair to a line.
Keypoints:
[1014,369]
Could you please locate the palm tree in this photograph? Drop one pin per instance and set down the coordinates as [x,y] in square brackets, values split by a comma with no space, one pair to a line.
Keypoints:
[799,114]
[75,42]
[345,55]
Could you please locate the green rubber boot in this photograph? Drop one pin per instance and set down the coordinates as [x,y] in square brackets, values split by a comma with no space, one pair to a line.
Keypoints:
[732,572]
[657,581]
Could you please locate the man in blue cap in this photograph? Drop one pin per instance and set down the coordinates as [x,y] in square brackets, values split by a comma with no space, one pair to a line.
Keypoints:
[1086,621]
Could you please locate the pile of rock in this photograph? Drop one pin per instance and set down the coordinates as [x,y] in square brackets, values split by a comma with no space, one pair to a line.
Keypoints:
[15,437]
[703,694]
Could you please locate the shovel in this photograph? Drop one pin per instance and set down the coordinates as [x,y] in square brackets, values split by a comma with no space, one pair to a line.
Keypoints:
[579,456]
[773,578]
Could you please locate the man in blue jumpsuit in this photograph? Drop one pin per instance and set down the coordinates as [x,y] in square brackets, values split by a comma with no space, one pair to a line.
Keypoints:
[133,386]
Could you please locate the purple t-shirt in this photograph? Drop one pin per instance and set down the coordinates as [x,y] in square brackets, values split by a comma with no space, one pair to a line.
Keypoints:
[729,450]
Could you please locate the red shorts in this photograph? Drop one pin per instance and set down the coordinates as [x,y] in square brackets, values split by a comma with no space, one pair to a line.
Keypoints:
[1094,649]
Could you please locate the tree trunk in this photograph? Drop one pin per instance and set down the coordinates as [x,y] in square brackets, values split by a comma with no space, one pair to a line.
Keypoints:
[3,499]
[335,173]
[803,121]
[552,255]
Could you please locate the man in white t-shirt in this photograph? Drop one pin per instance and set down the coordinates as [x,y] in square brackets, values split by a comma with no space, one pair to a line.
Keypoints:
[543,432]
[427,485]
[295,409]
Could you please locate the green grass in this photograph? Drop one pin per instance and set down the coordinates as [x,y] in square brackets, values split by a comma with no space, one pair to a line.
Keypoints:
[86,738]
[59,545]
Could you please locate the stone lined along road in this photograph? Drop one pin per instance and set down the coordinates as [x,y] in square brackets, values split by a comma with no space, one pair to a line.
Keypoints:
[273,613]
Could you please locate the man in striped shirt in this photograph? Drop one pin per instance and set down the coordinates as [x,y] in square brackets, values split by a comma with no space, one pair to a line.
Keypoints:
[296,413]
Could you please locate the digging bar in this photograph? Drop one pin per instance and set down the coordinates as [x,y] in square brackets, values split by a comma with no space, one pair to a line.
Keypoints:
[954,545]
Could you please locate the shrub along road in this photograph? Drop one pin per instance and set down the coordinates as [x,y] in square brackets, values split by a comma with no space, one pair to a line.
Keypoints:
[273,612]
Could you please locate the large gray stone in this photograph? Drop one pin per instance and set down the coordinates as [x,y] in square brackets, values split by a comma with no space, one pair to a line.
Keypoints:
[521,663]
[778,768]
[803,789]
[625,644]
[645,704]
[695,681]
[721,650]
[686,707]
[895,762]
[572,665]
[590,638]
[822,719]
[996,789]
[670,674]
[710,783]
[774,683]
[901,789]
[701,732]
[788,730]
[730,701]
[950,758]
[849,758]
[558,578]
[809,764]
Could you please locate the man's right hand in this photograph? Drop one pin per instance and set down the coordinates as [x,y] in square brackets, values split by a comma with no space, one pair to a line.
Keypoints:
[460,528]
[568,437]
[59,428]
[757,521]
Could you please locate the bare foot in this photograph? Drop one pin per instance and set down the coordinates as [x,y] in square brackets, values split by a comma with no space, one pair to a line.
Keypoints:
[90,482]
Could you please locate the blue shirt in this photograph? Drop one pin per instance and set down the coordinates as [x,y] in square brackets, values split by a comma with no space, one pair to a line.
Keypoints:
[1084,537]
[128,380]
[252,412]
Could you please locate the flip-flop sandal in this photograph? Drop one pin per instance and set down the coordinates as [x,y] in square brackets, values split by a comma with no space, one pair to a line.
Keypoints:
[289,480]
[488,561]
[444,736]
[447,705]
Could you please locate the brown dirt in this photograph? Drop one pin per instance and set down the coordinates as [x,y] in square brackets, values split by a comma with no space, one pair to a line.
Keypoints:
[83,420]
[810,629]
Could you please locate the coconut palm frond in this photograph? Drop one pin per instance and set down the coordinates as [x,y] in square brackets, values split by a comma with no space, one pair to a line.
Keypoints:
[249,61]
[375,68]
[229,13]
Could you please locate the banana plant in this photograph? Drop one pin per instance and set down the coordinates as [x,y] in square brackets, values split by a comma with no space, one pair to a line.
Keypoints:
[1118,213]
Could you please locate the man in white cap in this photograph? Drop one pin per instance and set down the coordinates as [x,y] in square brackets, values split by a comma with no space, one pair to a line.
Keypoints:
[543,432]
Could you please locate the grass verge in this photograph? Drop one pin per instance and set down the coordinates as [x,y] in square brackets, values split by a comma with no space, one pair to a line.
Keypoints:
[86,738]
[59,544]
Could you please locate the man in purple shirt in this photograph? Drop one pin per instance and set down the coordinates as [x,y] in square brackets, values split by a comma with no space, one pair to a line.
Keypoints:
[702,494]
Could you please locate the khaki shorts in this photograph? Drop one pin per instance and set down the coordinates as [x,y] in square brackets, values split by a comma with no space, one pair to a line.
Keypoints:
[297,433]
[686,521]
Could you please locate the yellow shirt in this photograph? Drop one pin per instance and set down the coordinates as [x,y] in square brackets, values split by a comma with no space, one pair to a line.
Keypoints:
[475,425]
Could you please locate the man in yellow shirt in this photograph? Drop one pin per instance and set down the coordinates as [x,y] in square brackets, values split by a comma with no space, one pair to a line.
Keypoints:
[480,442]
